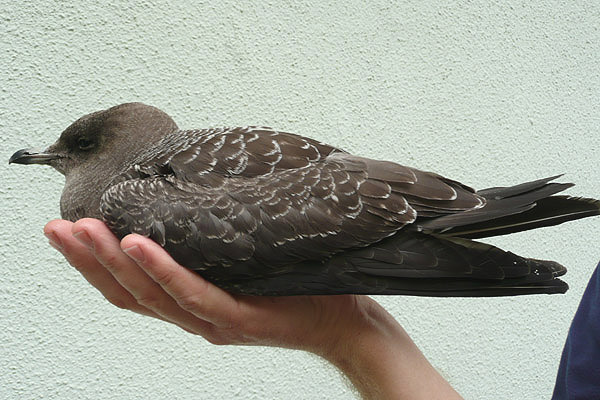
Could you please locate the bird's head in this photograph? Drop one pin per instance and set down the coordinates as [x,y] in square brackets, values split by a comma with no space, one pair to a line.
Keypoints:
[97,137]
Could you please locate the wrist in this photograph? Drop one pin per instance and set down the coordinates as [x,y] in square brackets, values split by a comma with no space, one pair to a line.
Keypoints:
[382,361]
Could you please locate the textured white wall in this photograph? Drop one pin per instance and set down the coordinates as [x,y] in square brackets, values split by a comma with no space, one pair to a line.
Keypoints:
[485,92]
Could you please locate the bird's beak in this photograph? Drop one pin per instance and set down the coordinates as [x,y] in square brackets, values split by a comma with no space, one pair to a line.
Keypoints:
[32,156]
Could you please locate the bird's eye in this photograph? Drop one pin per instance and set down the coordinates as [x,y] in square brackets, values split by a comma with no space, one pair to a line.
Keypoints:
[85,144]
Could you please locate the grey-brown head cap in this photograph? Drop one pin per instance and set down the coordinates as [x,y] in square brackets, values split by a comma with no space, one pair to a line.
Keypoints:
[95,136]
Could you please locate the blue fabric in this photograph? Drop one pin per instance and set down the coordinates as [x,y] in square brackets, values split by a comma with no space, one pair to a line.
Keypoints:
[579,371]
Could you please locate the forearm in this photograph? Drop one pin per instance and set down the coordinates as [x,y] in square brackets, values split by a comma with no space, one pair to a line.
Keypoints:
[382,362]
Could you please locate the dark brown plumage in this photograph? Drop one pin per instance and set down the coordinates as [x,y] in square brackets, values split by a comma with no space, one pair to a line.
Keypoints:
[263,212]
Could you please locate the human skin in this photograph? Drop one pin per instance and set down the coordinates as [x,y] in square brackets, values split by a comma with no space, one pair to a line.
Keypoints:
[352,332]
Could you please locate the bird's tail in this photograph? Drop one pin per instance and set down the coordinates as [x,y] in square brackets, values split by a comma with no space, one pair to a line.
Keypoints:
[516,208]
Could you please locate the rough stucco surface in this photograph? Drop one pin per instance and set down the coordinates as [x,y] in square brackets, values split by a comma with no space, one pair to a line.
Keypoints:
[486,92]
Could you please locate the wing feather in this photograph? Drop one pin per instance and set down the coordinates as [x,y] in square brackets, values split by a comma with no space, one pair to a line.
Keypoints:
[229,200]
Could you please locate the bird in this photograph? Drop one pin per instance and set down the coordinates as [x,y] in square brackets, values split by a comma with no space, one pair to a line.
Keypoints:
[257,211]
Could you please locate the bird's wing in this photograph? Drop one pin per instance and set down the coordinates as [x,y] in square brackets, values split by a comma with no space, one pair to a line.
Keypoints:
[201,156]
[272,198]
[211,157]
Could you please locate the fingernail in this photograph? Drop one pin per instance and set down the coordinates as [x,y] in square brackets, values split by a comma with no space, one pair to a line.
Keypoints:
[84,238]
[135,253]
[54,241]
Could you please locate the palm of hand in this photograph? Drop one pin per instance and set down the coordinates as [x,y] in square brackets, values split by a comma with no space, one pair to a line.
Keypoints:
[138,275]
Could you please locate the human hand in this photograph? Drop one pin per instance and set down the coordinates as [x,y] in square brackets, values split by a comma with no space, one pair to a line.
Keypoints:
[352,332]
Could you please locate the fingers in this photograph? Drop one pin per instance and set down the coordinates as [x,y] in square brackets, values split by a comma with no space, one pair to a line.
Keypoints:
[80,257]
[146,292]
[139,275]
[190,291]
